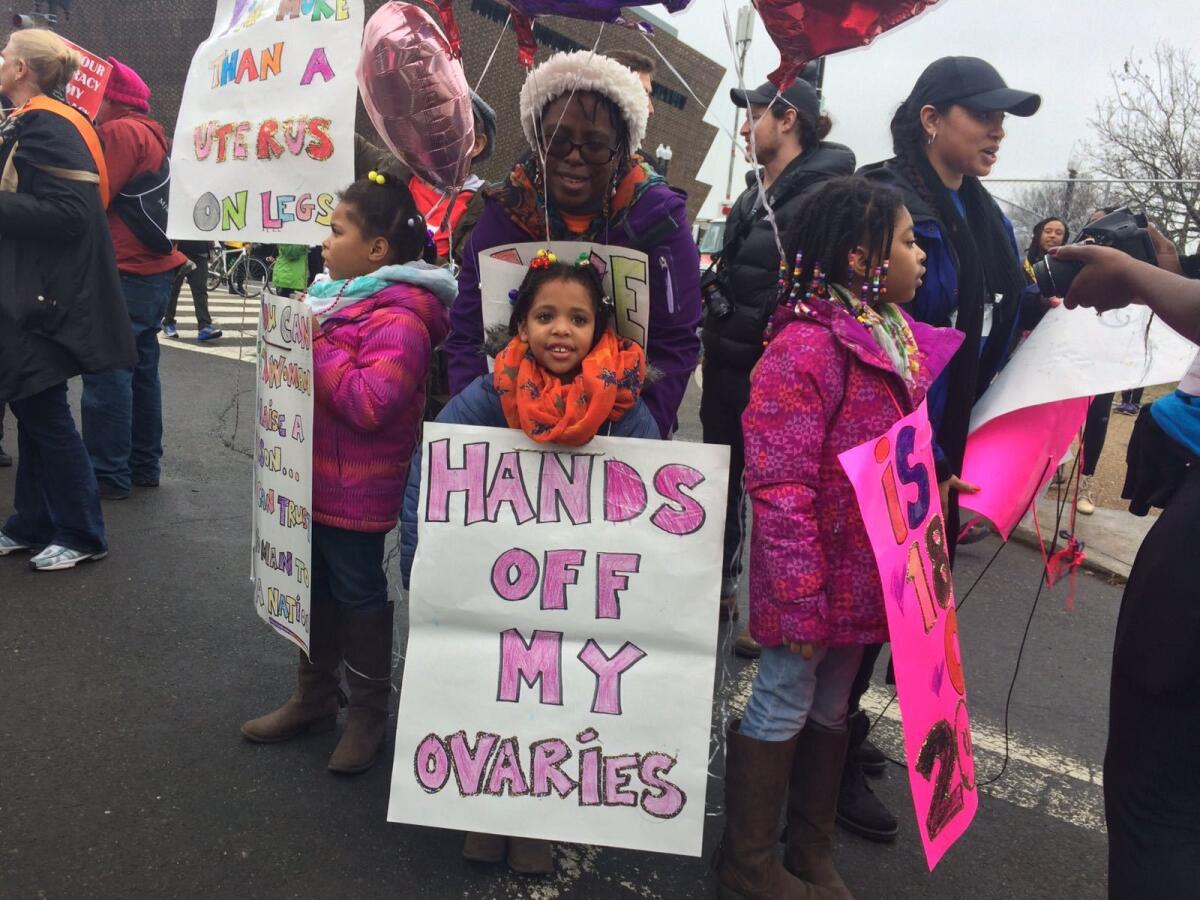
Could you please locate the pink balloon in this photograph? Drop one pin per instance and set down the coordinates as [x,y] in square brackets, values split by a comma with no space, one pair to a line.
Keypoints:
[416,94]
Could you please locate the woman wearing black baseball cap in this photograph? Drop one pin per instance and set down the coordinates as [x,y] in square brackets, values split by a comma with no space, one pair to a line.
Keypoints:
[946,136]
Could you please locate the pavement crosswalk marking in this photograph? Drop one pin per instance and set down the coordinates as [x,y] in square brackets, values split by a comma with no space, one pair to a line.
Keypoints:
[235,315]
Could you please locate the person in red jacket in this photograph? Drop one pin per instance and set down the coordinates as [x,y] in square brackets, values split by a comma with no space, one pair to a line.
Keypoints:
[122,410]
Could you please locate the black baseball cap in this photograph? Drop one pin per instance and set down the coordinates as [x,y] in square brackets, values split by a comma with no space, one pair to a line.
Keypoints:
[801,95]
[973,83]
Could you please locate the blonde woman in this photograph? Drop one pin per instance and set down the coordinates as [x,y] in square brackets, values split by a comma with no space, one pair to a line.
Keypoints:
[60,311]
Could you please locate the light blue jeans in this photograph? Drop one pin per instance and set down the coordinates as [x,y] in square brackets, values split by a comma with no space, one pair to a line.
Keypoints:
[789,690]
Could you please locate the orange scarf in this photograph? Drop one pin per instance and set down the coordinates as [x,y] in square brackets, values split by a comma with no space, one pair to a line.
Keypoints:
[552,412]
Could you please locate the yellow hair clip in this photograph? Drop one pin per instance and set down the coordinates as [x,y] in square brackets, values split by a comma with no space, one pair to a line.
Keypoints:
[376,177]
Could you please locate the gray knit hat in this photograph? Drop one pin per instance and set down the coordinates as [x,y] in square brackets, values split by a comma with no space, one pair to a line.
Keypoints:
[486,115]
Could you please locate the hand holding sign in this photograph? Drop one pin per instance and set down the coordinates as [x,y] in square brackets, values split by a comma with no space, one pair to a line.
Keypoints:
[416,94]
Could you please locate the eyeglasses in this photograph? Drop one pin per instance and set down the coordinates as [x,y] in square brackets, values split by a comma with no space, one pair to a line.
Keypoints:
[597,153]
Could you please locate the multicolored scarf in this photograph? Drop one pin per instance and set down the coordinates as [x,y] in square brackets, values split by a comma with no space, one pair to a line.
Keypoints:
[526,205]
[553,412]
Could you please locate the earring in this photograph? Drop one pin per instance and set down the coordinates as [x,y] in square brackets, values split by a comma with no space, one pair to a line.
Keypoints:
[932,138]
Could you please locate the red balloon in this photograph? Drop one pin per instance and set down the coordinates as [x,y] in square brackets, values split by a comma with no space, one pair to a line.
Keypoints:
[805,30]
[416,94]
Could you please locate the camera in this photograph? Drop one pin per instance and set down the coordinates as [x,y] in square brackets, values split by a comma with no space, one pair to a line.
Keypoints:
[1121,229]
[712,288]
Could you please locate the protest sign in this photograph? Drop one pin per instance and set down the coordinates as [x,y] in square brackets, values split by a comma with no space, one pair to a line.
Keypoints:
[282,535]
[1025,421]
[626,281]
[85,90]
[896,485]
[562,635]
[265,134]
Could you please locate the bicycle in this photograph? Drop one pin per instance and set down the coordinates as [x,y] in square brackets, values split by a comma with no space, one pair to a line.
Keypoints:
[236,268]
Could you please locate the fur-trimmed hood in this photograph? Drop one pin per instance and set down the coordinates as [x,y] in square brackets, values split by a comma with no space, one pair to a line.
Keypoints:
[584,70]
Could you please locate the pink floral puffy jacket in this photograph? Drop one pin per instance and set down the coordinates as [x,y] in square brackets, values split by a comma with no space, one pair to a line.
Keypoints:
[822,386]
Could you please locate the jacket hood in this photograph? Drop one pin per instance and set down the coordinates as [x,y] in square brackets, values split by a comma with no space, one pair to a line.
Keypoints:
[825,160]
[435,279]
[888,172]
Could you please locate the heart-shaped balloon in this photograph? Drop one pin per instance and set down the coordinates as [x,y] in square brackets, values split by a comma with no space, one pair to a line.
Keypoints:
[806,29]
[416,94]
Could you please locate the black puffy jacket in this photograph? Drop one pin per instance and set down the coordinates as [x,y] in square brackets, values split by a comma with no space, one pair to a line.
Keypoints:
[750,257]
[62,312]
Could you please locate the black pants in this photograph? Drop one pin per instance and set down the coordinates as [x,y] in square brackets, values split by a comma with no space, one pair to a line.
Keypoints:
[1151,780]
[1095,431]
[197,280]
[722,402]
[1134,396]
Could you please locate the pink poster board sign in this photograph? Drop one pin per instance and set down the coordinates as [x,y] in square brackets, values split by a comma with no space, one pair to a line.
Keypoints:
[86,88]
[894,479]
[1013,457]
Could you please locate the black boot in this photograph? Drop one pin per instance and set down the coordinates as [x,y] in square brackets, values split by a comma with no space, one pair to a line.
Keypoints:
[859,810]
[870,757]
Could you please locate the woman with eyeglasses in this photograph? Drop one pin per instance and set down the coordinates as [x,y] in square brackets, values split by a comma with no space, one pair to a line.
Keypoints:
[584,115]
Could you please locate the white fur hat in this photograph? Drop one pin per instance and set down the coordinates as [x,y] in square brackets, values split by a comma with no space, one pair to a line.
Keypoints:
[584,70]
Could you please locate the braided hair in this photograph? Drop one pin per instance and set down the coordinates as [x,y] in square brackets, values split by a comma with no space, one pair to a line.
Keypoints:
[386,209]
[839,215]
[586,275]
[908,145]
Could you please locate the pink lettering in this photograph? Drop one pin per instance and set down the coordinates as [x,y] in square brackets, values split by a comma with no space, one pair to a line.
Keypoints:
[508,486]
[506,772]
[624,493]
[572,492]
[662,799]
[445,480]
[615,778]
[608,672]
[468,766]
[432,764]
[561,569]
[547,758]
[540,660]
[521,585]
[612,577]
[685,516]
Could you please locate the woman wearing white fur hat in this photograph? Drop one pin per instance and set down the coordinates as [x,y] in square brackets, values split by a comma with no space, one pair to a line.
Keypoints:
[584,115]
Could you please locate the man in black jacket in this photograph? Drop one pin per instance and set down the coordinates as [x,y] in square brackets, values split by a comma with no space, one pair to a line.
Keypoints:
[741,292]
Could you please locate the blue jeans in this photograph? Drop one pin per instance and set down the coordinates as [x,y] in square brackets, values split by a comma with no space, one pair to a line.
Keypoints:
[55,496]
[347,568]
[789,690]
[122,410]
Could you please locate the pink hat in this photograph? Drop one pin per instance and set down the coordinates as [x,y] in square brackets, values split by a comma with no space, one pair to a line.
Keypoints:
[126,87]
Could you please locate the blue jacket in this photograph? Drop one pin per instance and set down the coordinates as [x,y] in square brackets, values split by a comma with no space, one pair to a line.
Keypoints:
[479,404]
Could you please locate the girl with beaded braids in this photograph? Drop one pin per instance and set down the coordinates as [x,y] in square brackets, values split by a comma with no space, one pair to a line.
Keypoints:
[946,136]
[563,377]
[378,318]
[842,363]
[583,115]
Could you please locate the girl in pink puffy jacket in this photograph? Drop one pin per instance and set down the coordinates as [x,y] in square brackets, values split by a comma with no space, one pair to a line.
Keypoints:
[842,364]
[379,317]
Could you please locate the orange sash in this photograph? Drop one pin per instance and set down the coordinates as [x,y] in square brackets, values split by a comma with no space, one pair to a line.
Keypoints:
[85,129]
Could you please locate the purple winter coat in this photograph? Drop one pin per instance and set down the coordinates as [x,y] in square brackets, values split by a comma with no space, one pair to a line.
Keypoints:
[657,225]
[822,387]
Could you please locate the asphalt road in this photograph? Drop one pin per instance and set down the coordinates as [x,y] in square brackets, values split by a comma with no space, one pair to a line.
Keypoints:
[124,683]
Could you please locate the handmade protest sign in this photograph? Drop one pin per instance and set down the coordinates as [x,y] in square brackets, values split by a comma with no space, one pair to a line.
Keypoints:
[1024,423]
[562,634]
[282,534]
[896,485]
[85,90]
[626,281]
[265,134]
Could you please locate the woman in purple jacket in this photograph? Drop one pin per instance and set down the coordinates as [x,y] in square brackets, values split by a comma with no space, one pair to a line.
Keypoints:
[584,115]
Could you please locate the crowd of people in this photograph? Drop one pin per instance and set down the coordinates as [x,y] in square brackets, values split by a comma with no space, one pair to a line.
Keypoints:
[839,302]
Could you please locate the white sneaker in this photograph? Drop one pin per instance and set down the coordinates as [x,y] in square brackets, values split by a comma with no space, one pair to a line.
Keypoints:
[1086,504]
[57,557]
[9,545]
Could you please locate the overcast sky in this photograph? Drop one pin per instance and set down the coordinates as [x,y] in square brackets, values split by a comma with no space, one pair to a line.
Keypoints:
[1062,49]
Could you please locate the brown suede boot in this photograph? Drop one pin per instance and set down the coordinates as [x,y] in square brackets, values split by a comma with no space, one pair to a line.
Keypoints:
[367,654]
[530,856]
[812,807]
[313,708]
[484,848]
[756,777]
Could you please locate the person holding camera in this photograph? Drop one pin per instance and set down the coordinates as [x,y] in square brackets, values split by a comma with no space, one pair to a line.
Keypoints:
[786,133]
[1151,782]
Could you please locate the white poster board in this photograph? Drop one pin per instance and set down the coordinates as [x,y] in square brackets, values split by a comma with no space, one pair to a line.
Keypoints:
[265,134]
[562,637]
[281,562]
[1076,353]
[626,281]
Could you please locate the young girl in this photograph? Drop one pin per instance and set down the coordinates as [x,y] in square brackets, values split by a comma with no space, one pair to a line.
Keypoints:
[554,380]
[842,364]
[379,317]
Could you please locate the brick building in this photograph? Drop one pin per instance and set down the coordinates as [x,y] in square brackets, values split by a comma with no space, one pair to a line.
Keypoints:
[158,38]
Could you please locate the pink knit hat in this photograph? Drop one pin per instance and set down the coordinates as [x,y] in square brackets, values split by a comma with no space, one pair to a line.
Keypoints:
[126,87]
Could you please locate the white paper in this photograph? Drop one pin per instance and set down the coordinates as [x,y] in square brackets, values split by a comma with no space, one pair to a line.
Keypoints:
[454,677]
[1075,353]
[281,561]
[265,134]
[626,281]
